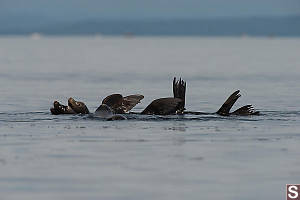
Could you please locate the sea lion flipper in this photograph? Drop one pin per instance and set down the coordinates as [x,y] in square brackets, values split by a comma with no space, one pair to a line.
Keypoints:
[130,101]
[120,104]
[179,90]
[225,108]
[114,101]
[163,106]
[246,110]
[104,111]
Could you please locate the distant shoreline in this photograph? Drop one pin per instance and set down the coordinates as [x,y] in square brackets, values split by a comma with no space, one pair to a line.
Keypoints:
[256,26]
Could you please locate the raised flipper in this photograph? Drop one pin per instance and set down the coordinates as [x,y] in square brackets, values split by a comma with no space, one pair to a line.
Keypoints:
[61,109]
[120,104]
[179,89]
[225,108]
[245,110]
[130,101]
[163,106]
[113,101]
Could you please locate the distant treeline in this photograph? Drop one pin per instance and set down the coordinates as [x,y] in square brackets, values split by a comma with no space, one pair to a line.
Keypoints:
[279,26]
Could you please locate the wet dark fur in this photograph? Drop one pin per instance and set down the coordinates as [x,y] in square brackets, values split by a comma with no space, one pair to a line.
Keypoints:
[61,109]
[77,106]
[163,106]
[169,105]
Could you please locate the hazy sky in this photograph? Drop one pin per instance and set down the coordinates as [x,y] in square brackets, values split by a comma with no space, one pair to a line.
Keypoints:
[140,9]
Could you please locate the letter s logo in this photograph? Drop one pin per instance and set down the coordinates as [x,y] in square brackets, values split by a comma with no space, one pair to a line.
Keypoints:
[293,189]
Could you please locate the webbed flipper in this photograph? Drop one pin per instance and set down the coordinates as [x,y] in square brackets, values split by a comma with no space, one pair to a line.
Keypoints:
[120,104]
[179,90]
[130,101]
[114,101]
[225,108]
[245,110]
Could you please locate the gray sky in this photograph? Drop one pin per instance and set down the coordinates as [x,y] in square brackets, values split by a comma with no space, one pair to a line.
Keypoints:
[141,9]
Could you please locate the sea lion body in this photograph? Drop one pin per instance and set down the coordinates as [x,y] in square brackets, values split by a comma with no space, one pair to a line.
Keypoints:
[105,112]
[163,106]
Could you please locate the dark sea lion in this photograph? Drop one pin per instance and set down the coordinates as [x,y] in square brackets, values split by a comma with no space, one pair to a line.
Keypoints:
[61,109]
[169,105]
[77,106]
[179,90]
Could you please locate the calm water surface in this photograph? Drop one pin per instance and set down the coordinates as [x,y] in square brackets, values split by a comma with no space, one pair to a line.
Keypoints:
[192,157]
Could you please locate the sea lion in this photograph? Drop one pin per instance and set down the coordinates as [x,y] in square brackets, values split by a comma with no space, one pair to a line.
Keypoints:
[73,107]
[176,105]
[169,105]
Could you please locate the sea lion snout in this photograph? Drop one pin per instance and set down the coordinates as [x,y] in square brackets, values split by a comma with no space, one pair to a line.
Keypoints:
[71,101]
[77,106]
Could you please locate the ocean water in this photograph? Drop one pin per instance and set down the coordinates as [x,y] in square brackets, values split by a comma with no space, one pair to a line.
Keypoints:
[43,156]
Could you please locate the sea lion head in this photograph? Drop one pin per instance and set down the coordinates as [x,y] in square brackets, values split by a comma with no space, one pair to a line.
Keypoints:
[77,106]
[61,109]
